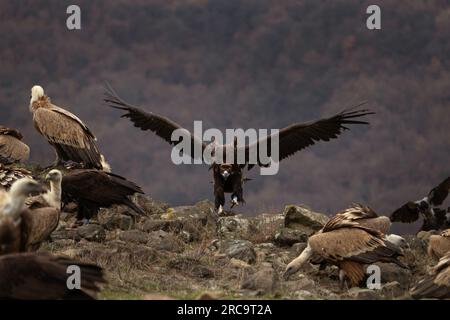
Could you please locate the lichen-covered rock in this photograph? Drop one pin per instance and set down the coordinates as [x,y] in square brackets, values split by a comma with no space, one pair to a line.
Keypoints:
[92,232]
[135,236]
[391,272]
[304,219]
[161,240]
[288,237]
[263,281]
[392,290]
[233,227]
[239,249]
[120,221]
[173,225]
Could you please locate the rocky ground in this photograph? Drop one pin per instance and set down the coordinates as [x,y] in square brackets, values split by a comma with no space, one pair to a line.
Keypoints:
[189,252]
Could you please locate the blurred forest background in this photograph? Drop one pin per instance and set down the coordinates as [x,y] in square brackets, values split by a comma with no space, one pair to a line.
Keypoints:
[247,64]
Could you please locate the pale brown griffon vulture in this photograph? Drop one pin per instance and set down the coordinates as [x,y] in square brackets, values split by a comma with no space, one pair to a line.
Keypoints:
[228,176]
[439,245]
[12,149]
[348,245]
[10,174]
[23,229]
[65,132]
[41,276]
[436,284]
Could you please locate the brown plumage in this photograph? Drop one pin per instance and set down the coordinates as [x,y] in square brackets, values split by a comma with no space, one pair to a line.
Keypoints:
[69,136]
[349,245]
[23,229]
[436,284]
[12,149]
[439,245]
[292,139]
[41,276]
[364,216]
[93,189]
[9,174]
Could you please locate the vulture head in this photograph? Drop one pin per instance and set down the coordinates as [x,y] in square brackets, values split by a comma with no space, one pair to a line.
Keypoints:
[54,176]
[18,193]
[295,265]
[397,240]
[36,93]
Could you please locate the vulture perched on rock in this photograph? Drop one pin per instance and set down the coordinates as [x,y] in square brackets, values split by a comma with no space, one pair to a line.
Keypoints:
[434,218]
[439,244]
[65,132]
[9,174]
[12,149]
[437,283]
[23,229]
[228,174]
[348,245]
[41,276]
[94,189]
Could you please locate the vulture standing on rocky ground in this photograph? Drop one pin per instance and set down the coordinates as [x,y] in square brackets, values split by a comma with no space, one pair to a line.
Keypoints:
[93,189]
[439,245]
[69,136]
[41,276]
[292,139]
[10,174]
[434,218]
[12,149]
[23,229]
[436,284]
[348,245]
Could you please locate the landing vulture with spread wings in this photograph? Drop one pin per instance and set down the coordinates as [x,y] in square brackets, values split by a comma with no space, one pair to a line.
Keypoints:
[228,175]
[434,218]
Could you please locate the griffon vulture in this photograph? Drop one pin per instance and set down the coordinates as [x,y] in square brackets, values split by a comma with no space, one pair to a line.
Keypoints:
[12,149]
[36,276]
[439,245]
[93,189]
[228,176]
[436,284]
[8,175]
[68,135]
[51,198]
[348,245]
[24,229]
[434,218]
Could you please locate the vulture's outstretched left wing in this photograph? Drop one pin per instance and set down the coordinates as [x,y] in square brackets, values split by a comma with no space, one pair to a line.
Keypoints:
[163,127]
[438,194]
[299,136]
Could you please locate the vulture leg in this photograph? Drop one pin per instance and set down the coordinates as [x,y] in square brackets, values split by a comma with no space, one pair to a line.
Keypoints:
[219,201]
[343,285]
[237,195]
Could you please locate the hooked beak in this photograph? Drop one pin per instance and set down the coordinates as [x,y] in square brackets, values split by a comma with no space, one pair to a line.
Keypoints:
[225,174]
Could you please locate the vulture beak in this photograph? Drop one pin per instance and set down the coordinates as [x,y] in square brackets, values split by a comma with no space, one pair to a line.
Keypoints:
[225,174]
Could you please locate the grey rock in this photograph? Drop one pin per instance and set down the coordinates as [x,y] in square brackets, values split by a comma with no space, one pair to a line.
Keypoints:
[233,227]
[288,237]
[391,272]
[161,240]
[173,225]
[304,219]
[92,232]
[135,236]
[264,281]
[239,249]
[392,290]
[120,221]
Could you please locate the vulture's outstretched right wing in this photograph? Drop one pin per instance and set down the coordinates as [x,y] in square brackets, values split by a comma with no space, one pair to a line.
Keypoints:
[408,213]
[163,127]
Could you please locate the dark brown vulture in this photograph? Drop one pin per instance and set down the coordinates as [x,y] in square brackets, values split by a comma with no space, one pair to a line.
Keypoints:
[93,189]
[228,176]
[434,218]
[41,276]
[436,284]
[65,132]
[9,174]
[12,149]
[348,245]
[23,229]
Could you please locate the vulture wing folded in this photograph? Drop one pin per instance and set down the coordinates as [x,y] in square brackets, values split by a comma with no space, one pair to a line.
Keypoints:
[436,284]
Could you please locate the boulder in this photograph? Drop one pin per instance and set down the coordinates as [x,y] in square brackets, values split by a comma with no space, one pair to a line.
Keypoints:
[304,219]
[392,290]
[161,240]
[135,236]
[264,280]
[120,221]
[239,249]
[92,232]
[232,227]
[391,272]
[288,237]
